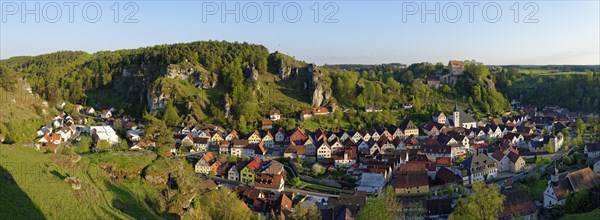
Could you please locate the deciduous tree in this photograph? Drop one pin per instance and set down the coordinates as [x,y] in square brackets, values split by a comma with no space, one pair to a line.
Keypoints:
[484,203]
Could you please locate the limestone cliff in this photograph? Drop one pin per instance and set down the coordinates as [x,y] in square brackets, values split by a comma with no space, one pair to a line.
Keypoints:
[320,86]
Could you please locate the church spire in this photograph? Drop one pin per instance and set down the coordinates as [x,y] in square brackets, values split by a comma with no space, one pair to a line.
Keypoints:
[455,106]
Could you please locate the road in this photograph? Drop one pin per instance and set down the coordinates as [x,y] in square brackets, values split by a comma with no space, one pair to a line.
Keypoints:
[73,137]
[533,168]
[309,193]
[232,184]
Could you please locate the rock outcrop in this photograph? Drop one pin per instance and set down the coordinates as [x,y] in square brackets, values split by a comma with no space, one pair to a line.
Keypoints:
[320,91]
[74,181]
[227,106]
[197,75]
[286,72]
[180,71]
[156,99]
[155,179]
[250,72]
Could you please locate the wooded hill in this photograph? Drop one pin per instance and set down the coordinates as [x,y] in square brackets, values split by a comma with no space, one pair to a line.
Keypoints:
[234,84]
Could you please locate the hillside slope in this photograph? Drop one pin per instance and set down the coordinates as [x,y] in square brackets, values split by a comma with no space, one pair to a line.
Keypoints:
[235,84]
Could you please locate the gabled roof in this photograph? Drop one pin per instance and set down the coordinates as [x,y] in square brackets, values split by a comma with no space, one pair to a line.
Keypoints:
[438,113]
[517,203]
[238,142]
[254,164]
[465,118]
[445,175]
[478,160]
[583,179]
[498,155]
[407,124]
[208,157]
[274,167]
[268,180]
[456,63]
[298,149]
[593,147]
[513,156]
[411,179]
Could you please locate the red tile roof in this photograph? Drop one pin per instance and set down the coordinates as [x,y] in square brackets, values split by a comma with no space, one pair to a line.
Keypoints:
[254,164]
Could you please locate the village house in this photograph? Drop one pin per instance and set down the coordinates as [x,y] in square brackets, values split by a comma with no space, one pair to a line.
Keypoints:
[275,115]
[234,171]
[411,183]
[323,150]
[106,114]
[143,145]
[371,183]
[274,167]
[203,165]
[216,138]
[439,117]
[432,128]
[200,144]
[270,182]
[408,128]
[104,133]
[508,161]
[280,135]
[268,139]
[592,150]
[295,151]
[266,124]
[232,135]
[254,138]
[562,185]
[480,168]
[238,146]
[320,111]
[248,173]
[224,147]
[518,205]
[90,111]
[298,135]
[344,158]
[306,115]
[373,109]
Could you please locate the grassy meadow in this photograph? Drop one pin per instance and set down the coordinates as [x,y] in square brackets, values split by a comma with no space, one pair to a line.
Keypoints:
[32,186]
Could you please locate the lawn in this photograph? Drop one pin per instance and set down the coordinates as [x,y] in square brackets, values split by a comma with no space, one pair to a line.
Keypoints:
[33,187]
[535,190]
[548,72]
[320,188]
[583,216]
[540,184]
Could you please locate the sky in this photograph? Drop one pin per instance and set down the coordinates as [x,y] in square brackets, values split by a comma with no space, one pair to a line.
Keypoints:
[324,32]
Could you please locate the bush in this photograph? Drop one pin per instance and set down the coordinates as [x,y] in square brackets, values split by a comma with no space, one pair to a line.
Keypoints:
[296,182]
[577,202]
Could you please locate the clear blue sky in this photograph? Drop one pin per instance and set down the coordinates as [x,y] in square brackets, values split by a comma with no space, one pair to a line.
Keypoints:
[566,32]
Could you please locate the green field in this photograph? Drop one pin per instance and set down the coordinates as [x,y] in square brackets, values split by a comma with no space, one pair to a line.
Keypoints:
[583,216]
[32,186]
[548,72]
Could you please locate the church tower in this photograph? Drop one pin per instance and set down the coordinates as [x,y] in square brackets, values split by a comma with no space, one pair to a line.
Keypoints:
[456,116]
[554,176]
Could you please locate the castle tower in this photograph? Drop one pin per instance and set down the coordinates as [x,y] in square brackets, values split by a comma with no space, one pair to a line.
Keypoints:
[456,116]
